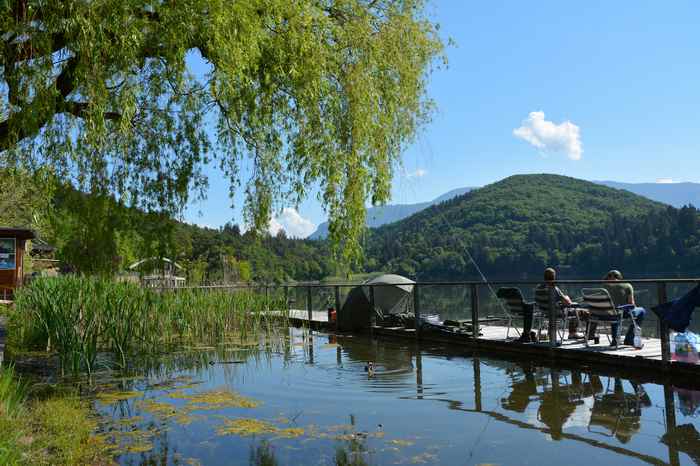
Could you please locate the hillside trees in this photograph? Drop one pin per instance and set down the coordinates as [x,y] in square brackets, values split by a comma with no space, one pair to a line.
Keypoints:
[524,223]
[116,95]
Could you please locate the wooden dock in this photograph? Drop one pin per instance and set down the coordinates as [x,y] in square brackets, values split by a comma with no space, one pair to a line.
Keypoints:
[492,338]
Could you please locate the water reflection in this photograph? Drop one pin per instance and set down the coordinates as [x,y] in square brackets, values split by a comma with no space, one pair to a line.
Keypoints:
[311,387]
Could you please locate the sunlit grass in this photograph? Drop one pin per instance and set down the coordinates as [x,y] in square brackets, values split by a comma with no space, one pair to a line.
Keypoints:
[55,431]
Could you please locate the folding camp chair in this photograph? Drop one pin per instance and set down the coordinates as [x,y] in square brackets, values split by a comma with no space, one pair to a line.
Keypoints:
[562,314]
[602,310]
[515,307]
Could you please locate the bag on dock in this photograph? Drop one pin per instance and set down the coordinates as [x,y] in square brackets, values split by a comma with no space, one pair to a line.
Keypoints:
[685,347]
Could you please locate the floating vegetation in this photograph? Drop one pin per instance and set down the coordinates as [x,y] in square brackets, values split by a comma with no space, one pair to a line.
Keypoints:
[109,398]
[129,441]
[247,427]
[424,458]
[401,443]
[216,399]
[157,409]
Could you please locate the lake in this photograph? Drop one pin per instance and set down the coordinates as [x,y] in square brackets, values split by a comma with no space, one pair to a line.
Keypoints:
[310,399]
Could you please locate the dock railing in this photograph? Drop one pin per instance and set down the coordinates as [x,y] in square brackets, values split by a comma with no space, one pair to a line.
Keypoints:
[474,302]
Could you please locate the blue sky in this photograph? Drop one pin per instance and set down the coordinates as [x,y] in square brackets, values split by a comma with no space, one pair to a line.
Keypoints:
[625,75]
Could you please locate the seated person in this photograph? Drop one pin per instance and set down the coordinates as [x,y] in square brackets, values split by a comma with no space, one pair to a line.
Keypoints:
[550,276]
[622,295]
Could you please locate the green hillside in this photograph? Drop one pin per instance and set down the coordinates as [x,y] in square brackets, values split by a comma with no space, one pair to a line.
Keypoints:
[526,222]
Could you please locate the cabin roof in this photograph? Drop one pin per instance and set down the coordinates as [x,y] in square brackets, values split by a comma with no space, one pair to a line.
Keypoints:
[19,233]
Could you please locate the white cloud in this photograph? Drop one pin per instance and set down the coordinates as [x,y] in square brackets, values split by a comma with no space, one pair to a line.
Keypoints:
[666,181]
[293,224]
[419,173]
[551,137]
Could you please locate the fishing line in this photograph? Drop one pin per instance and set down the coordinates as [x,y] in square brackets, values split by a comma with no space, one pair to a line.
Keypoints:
[461,245]
[471,259]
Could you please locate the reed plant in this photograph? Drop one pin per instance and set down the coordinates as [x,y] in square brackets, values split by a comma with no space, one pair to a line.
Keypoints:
[79,317]
[12,393]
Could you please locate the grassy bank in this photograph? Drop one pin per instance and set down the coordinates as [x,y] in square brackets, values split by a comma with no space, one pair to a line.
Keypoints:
[56,430]
[79,318]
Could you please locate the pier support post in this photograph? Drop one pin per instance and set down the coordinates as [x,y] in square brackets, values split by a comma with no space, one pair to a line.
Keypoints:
[337,299]
[372,311]
[663,328]
[477,383]
[416,309]
[419,374]
[670,409]
[309,305]
[475,310]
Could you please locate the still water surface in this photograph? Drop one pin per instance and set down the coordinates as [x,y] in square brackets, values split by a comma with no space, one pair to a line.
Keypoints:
[301,400]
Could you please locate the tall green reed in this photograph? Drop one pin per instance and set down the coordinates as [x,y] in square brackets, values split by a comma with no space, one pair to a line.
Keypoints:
[78,317]
[13,393]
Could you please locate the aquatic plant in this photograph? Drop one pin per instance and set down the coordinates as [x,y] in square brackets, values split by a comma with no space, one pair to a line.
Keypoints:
[12,392]
[78,317]
[246,427]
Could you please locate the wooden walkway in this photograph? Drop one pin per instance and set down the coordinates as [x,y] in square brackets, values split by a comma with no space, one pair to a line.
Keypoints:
[492,338]
[651,350]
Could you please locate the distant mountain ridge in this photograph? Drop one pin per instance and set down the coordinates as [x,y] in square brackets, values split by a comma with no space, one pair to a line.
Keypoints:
[524,223]
[674,194]
[381,215]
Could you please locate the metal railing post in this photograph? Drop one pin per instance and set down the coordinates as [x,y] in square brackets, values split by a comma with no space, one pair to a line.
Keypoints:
[663,328]
[475,310]
[309,305]
[286,299]
[552,328]
[416,309]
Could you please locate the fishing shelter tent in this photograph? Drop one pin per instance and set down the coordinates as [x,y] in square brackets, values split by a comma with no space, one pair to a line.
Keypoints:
[392,297]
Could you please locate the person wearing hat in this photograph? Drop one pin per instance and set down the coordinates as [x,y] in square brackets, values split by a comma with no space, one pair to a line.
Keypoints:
[622,295]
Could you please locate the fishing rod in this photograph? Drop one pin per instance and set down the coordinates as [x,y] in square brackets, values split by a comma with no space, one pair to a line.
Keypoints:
[471,258]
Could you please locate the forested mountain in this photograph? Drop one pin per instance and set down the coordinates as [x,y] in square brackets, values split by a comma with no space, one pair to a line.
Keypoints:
[675,194]
[526,222]
[381,215]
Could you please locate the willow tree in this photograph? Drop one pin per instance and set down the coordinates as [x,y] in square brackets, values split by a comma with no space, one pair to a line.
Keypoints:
[294,97]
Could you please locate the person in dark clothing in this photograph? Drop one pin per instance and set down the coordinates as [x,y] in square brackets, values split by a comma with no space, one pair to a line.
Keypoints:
[550,275]
[676,313]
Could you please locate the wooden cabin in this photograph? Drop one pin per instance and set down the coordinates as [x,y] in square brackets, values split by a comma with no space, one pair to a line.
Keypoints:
[13,243]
